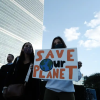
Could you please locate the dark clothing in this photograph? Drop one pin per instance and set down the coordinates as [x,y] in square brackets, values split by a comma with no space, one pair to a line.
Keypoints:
[18,77]
[3,73]
[51,95]
[20,74]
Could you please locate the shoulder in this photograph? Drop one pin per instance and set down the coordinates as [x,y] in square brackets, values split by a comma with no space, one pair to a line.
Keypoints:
[16,59]
[3,66]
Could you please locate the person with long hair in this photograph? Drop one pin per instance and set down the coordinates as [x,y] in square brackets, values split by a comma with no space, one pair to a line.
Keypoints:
[60,89]
[19,71]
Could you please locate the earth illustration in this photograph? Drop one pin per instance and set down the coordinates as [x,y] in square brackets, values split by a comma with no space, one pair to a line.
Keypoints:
[46,65]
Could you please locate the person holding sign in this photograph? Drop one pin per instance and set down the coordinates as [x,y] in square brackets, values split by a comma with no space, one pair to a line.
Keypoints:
[19,80]
[60,89]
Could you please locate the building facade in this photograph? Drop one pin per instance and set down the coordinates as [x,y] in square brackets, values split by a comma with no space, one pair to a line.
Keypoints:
[20,21]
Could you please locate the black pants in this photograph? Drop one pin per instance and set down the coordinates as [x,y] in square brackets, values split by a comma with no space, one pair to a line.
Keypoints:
[51,95]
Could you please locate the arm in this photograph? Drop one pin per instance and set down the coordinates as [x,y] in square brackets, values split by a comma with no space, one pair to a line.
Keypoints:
[79,75]
[1,71]
[1,78]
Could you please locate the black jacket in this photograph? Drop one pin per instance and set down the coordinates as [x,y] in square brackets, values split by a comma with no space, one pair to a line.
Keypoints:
[3,73]
[32,91]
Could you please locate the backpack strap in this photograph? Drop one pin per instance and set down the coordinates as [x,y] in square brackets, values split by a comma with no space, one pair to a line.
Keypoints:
[16,63]
[17,60]
[28,73]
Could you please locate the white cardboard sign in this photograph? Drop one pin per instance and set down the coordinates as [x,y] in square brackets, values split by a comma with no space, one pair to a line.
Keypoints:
[56,64]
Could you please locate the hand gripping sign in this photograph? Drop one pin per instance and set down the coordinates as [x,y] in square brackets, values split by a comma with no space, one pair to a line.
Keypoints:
[56,64]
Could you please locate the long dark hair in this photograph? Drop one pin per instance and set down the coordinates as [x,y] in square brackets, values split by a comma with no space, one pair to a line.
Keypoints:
[22,55]
[62,41]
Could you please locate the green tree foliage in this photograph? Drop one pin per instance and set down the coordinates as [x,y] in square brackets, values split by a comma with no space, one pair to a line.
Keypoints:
[93,81]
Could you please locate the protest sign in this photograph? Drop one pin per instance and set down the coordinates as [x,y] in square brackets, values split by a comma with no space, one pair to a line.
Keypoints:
[56,64]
